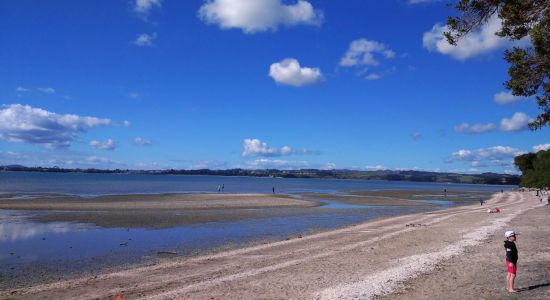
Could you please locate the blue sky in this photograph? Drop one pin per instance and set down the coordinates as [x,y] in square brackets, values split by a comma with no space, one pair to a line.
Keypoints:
[156,84]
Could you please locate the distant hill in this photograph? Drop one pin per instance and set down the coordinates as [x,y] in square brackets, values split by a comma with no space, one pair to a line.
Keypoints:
[418,176]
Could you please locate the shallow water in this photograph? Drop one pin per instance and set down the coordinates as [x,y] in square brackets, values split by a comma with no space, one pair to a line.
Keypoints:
[60,249]
[64,248]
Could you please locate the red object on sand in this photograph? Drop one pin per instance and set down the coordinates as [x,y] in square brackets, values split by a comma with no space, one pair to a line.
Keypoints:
[119,296]
[497,210]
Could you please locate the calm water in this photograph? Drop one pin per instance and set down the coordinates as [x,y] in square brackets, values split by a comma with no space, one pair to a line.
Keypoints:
[102,184]
[60,249]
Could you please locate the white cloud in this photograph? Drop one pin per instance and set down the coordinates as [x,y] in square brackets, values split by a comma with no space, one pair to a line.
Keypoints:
[473,44]
[329,166]
[126,123]
[133,95]
[476,128]
[109,144]
[23,123]
[98,160]
[21,89]
[255,147]
[375,168]
[144,39]
[373,76]
[277,164]
[142,142]
[288,71]
[363,52]
[518,122]
[484,157]
[541,147]
[46,90]
[506,98]
[144,6]
[258,15]
[416,136]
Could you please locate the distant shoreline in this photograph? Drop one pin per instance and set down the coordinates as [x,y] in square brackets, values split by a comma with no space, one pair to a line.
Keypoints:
[383,175]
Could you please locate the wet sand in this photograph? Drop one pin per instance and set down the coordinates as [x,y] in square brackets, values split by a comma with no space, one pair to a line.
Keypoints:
[150,211]
[450,254]
[151,202]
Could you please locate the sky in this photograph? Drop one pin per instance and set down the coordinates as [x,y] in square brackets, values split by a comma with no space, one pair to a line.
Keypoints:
[220,84]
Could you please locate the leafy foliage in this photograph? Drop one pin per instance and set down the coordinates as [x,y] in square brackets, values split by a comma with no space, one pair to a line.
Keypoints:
[530,67]
[535,169]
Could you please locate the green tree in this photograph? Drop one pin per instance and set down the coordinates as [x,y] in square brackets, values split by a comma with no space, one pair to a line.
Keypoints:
[529,70]
[535,169]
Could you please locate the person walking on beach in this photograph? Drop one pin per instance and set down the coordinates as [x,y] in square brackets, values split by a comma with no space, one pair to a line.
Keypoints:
[273,189]
[480,201]
[511,259]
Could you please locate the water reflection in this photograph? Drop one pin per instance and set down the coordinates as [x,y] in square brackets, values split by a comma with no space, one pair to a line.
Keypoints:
[17,226]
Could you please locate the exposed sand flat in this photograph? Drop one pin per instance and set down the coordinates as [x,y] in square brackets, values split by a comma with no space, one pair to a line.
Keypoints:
[451,254]
[152,202]
[365,200]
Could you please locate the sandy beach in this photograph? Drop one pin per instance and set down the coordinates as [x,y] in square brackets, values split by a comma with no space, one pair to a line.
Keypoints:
[452,254]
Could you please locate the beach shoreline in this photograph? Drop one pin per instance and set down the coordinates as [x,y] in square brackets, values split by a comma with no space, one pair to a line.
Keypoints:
[372,259]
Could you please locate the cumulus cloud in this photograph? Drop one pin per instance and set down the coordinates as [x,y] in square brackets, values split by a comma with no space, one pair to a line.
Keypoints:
[109,144]
[46,90]
[126,123]
[476,43]
[289,72]
[506,98]
[144,39]
[541,147]
[365,52]
[476,128]
[258,15]
[255,147]
[142,142]
[502,156]
[145,6]
[23,123]
[518,122]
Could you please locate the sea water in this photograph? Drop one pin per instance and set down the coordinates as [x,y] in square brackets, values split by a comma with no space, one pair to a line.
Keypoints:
[60,249]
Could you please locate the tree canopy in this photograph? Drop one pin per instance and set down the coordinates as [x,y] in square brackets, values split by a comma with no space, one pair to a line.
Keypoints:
[535,169]
[529,69]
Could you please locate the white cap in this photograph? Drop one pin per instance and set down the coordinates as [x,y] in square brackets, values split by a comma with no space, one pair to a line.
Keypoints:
[509,233]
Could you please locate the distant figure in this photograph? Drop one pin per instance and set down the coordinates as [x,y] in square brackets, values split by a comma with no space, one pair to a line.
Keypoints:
[219,188]
[480,202]
[273,189]
[445,192]
[223,187]
[502,191]
[511,259]
[537,193]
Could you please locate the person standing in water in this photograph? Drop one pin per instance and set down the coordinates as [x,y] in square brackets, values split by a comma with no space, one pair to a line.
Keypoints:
[273,189]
